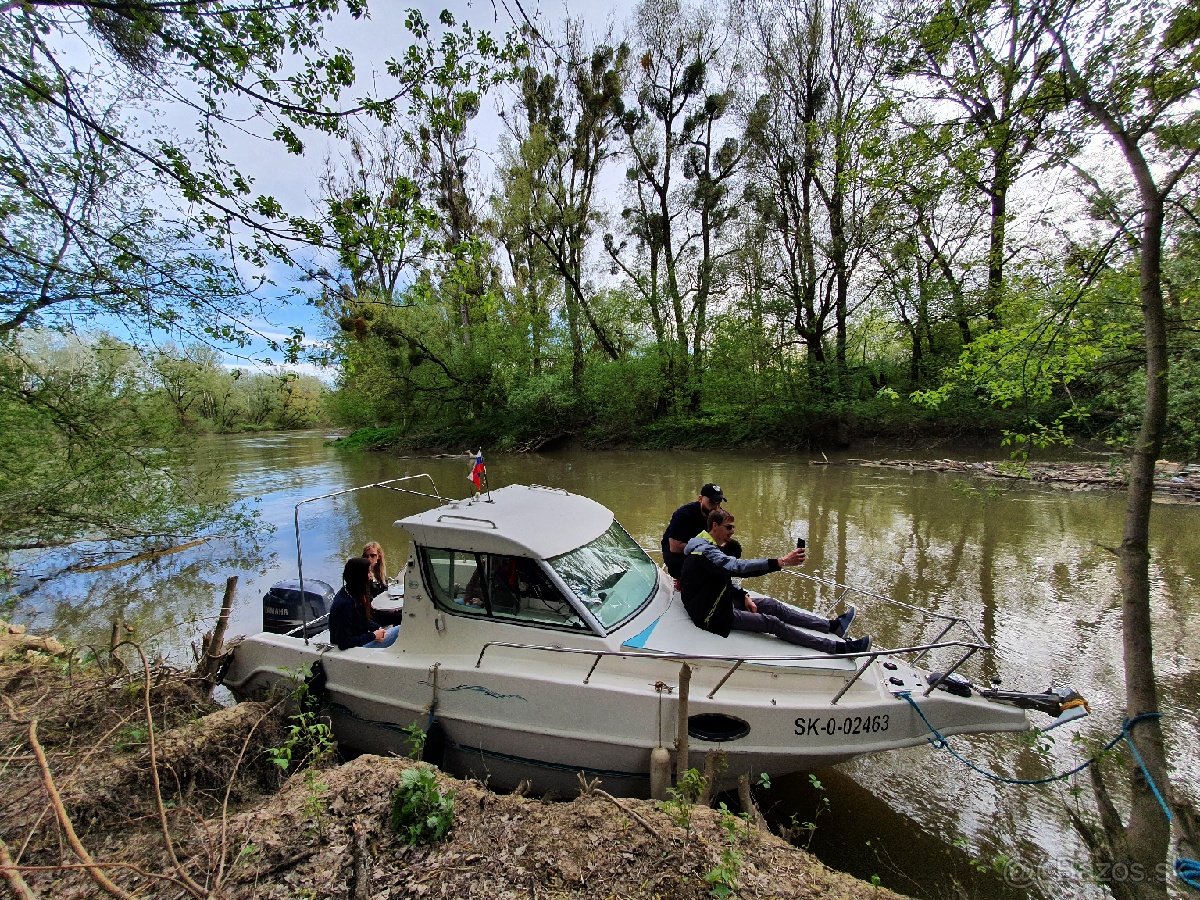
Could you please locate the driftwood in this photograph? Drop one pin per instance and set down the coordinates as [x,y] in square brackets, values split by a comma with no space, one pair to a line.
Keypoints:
[140,557]
[14,639]
[1172,481]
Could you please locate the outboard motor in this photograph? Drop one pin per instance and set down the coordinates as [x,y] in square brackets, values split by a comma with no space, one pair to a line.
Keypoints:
[286,609]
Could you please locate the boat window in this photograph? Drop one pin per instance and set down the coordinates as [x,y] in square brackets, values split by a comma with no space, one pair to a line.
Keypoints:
[497,586]
[454,577]
[612,575]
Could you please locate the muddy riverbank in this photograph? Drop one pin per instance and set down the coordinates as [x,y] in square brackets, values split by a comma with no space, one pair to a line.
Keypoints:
[96,804]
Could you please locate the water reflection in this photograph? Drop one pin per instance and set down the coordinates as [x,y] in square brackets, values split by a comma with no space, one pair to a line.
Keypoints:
[1028,567]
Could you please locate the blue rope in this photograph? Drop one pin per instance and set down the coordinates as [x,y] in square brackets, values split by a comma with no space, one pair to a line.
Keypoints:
[1141,763]
[1187,870]
[940,742]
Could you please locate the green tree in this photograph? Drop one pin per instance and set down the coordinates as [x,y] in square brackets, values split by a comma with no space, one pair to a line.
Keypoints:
[82,237]
[1134,72]
[926,259]
[783,132]
[103,220]
[377,216]
[563,127]
[419,290]
[812,131]
[83,455]
[990,62]
[683,64]
[220,59]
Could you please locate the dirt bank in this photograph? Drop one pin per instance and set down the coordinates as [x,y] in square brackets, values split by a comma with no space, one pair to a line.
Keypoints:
[82,816]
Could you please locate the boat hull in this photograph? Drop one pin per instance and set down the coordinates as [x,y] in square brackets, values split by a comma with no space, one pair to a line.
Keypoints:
[551,718]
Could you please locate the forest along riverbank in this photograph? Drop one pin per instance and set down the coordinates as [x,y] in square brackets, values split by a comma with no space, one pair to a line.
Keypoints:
[248,801]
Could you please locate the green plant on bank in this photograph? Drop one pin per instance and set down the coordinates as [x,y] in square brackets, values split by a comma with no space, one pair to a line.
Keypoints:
[416,740]
[369,438]
[62,663]
[723,878]
[314,805]
[794,828]
[998,864]
[132,736]
[309,741]
[421,812]
[683,797]
[248,853]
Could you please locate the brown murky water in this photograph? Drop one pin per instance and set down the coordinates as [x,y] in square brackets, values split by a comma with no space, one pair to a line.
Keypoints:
[1027,566]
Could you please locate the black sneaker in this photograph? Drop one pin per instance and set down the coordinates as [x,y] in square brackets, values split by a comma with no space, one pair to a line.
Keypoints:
[858,645]
[841,625]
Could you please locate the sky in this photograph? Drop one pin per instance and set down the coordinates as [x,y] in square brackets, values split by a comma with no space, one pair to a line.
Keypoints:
[295,180]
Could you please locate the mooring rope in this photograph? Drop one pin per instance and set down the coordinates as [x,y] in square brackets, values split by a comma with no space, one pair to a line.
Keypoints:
[941,742]
[1188,870]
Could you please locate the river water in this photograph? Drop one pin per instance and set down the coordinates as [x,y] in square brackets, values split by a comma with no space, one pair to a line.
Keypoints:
[1027,566]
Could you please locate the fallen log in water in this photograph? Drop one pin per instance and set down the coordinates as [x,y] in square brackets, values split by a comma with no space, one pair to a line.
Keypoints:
[14,639]
[1173,481]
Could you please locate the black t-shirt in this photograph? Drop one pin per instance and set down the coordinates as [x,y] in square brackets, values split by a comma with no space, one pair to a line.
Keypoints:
[686,522]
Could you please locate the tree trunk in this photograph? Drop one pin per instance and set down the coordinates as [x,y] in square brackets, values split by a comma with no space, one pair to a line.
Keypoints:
[996,235]
[1148,831]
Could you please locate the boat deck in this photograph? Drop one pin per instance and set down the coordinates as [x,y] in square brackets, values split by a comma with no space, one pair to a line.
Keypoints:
[674,632]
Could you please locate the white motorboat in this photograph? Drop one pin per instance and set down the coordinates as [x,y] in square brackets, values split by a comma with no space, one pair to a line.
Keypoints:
[539,641]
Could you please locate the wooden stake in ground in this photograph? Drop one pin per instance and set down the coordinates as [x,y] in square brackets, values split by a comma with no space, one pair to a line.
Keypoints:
[681,727]
[214,641]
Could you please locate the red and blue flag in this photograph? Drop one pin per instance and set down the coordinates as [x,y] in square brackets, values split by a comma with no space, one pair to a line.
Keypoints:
[478,476]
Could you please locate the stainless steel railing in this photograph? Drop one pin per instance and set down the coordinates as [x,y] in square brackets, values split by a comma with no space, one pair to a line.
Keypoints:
[738,662]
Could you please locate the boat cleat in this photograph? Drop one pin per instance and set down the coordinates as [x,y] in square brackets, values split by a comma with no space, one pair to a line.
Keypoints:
[900,678]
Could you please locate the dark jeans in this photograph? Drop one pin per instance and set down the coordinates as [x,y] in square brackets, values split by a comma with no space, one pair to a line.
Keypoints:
[785,621]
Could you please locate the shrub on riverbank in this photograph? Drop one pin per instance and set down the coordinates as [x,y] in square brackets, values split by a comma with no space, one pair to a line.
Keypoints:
[780,425]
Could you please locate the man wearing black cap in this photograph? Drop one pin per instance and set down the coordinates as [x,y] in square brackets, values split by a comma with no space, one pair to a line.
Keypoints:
[687,522]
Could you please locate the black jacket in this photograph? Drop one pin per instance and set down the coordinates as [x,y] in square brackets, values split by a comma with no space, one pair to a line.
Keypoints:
[686,522]
[706,583]
[349,624]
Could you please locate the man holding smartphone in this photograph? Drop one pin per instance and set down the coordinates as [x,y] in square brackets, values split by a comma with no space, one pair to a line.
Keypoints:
[717,605]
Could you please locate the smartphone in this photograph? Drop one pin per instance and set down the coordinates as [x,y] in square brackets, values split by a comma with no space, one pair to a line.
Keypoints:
[799,543]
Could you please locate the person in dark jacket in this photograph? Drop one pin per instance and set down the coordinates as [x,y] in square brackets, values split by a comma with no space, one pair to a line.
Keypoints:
[351,619]
[687,522]
[716,604]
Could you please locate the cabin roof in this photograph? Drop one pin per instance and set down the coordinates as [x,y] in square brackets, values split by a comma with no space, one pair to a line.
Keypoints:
[519,520]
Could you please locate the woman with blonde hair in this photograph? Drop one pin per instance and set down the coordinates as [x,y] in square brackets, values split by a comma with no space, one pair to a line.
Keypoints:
[377,580]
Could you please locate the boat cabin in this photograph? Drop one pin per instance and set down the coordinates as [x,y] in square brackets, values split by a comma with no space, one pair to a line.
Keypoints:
[532,555]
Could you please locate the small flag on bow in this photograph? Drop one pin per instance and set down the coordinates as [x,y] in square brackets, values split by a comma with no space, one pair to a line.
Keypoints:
[478,476]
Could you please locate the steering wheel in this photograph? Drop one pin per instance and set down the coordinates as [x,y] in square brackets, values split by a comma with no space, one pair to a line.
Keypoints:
[609,581]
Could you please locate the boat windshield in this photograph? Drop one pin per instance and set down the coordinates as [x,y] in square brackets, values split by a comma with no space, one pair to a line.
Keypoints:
[612,575]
